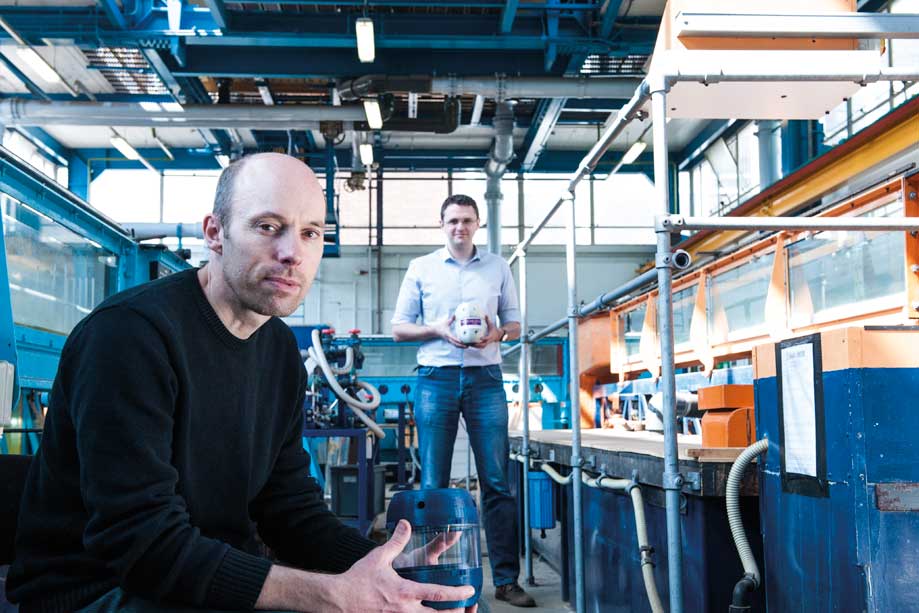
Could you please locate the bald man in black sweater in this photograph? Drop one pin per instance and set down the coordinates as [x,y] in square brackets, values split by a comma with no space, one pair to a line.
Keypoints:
[173,438]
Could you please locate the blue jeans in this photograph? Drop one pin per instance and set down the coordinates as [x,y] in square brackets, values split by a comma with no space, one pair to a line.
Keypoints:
[118,601]
[441,396]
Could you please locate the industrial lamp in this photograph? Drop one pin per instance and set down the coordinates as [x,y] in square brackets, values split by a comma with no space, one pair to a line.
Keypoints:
[634,151]
[372,111]
[363,28]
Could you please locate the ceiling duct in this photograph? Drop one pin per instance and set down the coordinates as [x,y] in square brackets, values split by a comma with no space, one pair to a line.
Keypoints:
[498,87]
[18,112]
[502,153]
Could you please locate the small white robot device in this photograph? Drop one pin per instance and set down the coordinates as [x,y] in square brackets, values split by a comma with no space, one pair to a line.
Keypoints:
[470,324]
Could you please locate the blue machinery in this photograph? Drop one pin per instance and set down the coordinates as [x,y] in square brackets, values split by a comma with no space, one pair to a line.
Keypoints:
[60,259]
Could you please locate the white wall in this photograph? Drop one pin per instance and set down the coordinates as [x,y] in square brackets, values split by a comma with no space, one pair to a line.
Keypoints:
[345,294]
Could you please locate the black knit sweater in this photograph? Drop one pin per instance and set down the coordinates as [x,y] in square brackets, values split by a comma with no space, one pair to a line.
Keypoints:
[168,443]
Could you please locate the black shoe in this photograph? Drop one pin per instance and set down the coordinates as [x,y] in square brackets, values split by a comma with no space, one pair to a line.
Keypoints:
[514,595]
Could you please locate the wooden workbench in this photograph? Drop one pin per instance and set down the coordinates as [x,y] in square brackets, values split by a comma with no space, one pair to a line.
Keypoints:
[620,453]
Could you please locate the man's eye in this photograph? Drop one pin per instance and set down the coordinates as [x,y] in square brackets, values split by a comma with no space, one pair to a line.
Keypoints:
[267,227]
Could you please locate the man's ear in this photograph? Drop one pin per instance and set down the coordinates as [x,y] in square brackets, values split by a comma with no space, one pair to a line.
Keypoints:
[213,233]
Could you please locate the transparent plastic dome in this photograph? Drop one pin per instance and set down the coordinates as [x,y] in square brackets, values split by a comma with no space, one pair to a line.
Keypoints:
[450,546]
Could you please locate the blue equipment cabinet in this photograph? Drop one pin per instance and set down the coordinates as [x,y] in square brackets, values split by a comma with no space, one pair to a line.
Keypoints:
[839,487]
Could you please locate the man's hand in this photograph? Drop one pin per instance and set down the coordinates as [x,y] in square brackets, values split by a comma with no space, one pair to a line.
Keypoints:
[492,335]
[371,584]
[445,331]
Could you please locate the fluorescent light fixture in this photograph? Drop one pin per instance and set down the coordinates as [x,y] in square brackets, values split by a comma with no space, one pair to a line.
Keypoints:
[372,111]
[223,160]
[37,63]
[366,51]
[634,151]
[150,107]
[174,14]
[265,92]
[124,147]
[477,110]
[366,154]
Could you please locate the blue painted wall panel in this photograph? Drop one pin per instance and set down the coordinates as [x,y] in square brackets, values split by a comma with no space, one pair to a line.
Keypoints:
[613,581]
[841,553]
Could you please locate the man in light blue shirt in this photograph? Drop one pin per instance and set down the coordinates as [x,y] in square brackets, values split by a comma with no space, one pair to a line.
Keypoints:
[455,378]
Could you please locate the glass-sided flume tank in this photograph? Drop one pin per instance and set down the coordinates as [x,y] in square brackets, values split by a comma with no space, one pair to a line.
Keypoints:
[834,270]
[56,277]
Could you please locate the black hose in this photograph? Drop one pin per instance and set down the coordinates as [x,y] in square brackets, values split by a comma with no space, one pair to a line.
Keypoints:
[740,601]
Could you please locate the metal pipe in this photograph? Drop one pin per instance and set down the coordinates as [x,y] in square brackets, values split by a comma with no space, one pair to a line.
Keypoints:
[146,231]
[574,394]
[21,112]
[590,161]
[536,87]
[554,474]
[677,223]
[597,304]
[524,378]
[804,72]
[672,480]
[502,153]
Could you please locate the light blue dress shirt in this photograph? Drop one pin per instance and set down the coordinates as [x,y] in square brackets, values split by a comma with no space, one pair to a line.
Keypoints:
[435,284]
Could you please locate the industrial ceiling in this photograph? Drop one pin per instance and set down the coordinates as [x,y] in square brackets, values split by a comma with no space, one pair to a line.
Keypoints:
[438,70]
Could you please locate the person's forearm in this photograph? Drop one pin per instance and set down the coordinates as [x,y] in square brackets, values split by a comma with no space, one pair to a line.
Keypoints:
[289,589]
[413,332]
[513,330]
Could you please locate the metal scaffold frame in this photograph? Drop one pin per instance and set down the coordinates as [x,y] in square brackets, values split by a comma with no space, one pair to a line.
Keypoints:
[655,88]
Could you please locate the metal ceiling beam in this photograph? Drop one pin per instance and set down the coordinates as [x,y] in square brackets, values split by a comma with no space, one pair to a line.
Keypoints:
[278,62]
[113,13]
[609,18]
[508,13]
[394,31]
[219,13]
[26,81]
[844,25]
[544,120]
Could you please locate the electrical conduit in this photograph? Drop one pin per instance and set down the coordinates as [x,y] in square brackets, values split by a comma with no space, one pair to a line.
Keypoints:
[751,579]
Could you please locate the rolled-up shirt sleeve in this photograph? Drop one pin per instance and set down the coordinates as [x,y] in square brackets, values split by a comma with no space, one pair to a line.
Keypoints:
[409,305]
[508,308]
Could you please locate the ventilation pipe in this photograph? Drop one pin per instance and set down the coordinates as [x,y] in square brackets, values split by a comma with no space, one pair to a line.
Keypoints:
[147,231]
[18,112]
[498,87]
[502,152]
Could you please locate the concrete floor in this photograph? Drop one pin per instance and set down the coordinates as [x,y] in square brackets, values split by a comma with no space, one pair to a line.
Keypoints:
[547,591]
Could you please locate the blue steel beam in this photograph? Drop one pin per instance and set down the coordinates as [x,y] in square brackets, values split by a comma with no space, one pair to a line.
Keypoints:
[219,13]
[46,144]
[113,13]
[29,84]
[609,18]
[100,160]
[694,150]
[28,185]
[545,118]
[242,62]
[395,31]
[508,13]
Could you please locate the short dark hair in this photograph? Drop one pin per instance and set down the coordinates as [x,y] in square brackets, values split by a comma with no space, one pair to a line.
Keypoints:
[459,200]
[223,198]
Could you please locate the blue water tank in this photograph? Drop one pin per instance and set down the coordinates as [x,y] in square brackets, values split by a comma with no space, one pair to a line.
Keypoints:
[542,501]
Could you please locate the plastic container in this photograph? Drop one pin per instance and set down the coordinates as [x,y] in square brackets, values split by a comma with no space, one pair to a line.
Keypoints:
[444,548]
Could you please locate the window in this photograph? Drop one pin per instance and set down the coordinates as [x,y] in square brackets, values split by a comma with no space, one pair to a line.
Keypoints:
[874,100]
